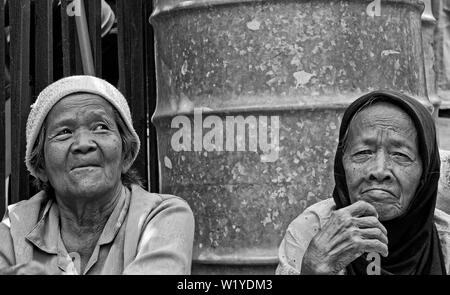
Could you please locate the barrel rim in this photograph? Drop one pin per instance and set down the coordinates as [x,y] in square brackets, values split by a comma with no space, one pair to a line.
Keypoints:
[160,9]
[157,115]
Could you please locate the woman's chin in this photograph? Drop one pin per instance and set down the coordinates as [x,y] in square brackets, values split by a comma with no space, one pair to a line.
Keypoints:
[88,189]
[387,212]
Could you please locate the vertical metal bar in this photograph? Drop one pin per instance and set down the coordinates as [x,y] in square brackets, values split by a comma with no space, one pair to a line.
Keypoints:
[131,22]
[84,42]
[44,44]
[94,17]
[151,97]
[44,37]
[3,197]
[123,47]
[65,39]
[20,95]
[71,51]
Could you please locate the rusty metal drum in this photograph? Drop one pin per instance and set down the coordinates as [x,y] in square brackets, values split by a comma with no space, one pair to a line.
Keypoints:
[429,23]
[250,95]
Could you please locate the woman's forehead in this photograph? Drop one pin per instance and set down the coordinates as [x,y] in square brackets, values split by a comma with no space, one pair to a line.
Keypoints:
[79,103]
[385,118]
[384,114]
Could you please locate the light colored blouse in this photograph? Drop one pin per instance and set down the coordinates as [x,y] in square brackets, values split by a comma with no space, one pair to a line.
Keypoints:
[145,234]
[301,231]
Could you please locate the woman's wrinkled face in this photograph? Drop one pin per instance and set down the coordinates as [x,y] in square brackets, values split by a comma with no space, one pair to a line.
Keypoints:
[381,159]
[83,147]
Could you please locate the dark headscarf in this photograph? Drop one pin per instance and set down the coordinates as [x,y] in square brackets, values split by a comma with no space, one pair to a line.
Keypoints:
[414,246]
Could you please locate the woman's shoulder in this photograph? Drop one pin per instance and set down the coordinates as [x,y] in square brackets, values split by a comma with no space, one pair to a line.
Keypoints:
[442,221]
[32,203]
[149,202]
[26,211]
[168,214]
[20,218]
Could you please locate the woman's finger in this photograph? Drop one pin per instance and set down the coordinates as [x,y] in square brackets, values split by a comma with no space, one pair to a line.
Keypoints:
[360,209]
[369,222]
[375,245]
[373,233]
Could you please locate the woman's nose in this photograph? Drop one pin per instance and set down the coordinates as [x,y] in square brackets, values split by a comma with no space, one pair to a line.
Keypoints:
[380,169]
[83,143]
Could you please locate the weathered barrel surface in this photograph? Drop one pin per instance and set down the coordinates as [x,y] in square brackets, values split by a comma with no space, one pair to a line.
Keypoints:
[428,44]
[294,65]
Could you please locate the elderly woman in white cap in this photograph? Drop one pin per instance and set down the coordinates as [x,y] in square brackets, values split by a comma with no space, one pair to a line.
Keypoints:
[91,216]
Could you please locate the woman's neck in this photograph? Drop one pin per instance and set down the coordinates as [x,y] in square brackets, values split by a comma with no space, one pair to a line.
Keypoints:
[82,221]
[87,213]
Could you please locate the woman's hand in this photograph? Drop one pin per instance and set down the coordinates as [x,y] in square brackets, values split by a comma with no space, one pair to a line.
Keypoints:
[350,232]
[31,268]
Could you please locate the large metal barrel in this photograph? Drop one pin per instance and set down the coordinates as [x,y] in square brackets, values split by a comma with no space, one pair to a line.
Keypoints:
[285,70]
[428,43]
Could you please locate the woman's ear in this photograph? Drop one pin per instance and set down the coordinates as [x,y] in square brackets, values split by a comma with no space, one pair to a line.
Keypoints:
[40,173]
[126,163]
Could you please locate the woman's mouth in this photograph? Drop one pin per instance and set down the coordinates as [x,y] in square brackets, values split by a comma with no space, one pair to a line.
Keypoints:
[81,167]
[378,194]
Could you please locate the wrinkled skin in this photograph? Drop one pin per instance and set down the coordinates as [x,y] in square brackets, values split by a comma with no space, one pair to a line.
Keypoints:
[383,169]
[83,149]
[382,163]
[84,161]
[350,232]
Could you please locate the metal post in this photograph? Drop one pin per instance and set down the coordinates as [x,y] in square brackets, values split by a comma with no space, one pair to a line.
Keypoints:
[85,43]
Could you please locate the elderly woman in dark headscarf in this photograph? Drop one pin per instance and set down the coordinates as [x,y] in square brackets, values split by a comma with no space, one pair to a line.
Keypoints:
[382,217]
[91,216]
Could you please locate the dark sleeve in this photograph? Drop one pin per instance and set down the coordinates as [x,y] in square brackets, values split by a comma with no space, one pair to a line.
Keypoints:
[165,246]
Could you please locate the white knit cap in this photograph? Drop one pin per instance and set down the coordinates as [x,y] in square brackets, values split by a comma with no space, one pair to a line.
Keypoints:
[64,87]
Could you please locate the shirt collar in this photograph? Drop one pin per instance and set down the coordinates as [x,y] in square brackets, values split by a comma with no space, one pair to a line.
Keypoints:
[116,218]
[46,234]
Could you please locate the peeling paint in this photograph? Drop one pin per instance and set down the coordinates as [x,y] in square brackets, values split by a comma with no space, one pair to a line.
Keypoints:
[302,78]
[254,25]
[167,162]
[389,52]
[184,68]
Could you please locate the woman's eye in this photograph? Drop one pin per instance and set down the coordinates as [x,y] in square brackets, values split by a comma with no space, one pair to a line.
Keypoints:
[101,127]
[362,156]
[64,131]
[401,156]
[364,152]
